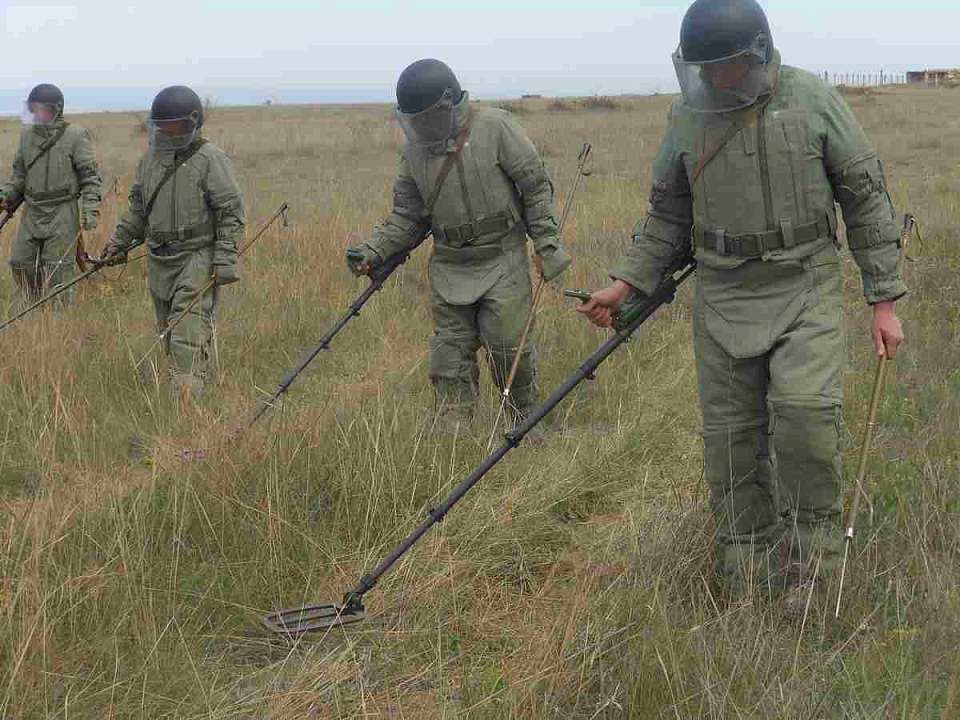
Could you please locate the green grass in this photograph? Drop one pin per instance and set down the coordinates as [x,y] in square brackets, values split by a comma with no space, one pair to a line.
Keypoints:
[574,582]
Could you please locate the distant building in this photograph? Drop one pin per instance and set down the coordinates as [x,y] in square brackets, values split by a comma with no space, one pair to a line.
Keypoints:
[934,77]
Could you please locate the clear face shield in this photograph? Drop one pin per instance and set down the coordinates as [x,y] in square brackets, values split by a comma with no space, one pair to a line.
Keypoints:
[38,114]
[174,134]
[729,83]
[434,125]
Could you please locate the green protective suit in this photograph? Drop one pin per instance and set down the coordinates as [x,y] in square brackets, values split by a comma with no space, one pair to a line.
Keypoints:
[496,195]
[44,251]
[192,230]
[756,191]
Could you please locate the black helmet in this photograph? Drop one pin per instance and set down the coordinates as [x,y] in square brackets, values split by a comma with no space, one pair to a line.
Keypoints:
[715,29]
[423,83]
[175,103]
[48,95]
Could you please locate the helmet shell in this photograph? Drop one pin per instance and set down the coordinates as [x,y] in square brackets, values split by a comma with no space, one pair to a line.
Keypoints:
[716,29]
[48,95]
[175,103]
[423,84]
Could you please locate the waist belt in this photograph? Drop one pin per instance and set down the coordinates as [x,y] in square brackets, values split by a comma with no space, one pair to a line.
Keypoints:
[754,245]
[181,235]
[63,195]
[460,235]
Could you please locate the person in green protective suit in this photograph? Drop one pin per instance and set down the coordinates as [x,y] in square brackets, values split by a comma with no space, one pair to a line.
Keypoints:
[54,167]
[755,157]
[473,179]
[185,203]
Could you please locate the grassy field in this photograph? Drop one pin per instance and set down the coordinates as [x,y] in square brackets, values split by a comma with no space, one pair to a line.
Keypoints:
[139,549]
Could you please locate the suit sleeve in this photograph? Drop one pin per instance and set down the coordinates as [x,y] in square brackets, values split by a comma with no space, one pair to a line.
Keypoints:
[133,226]
[225,201]
[860,188]
[407,224]
[520,160]
[665,232]
[88,176]
[13,190]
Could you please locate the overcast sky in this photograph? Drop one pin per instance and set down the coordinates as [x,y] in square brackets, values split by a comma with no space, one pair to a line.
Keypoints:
[356,48]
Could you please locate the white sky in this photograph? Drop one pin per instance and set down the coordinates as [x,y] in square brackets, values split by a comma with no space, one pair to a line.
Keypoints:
[497,46]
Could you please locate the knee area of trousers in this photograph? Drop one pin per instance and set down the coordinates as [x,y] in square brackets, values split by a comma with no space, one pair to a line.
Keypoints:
[502,356]
[812,426]
[717,434]
[452,357]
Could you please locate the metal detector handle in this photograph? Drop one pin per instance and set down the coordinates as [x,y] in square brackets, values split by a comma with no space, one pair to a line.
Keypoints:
[384,271]
[7,215]
[581,295]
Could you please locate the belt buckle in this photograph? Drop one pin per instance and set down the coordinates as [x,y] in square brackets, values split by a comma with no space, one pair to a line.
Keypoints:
[720,238]
[453,237]
[758,248]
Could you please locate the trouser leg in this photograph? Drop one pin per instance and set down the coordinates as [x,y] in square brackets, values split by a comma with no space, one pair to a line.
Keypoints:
[737,464]
[189,344]
[806,395]
[502,317]
[454,372]
[25,266]
[58,260]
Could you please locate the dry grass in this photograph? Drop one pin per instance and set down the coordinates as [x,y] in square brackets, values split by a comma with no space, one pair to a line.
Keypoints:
[572,583]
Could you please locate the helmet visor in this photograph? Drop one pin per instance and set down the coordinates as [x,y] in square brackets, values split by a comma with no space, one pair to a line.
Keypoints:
[39,114]
[172,134]
[726,84]
[433,125]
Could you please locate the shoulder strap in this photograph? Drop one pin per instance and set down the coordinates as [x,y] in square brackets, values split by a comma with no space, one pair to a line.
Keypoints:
[710,153]
[458,146]
[171,171]
[57,137]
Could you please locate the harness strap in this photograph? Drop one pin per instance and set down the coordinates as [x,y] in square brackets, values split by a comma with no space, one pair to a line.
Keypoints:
[448,162]
[48,146]
[171,171]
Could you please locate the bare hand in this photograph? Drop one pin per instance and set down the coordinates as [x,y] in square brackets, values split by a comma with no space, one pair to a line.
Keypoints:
[603,304]
[887,331]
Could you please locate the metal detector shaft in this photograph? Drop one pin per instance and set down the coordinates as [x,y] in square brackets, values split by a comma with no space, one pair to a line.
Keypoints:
[7,215]
[637,316]
[54,293]
[876,395]
[378,277]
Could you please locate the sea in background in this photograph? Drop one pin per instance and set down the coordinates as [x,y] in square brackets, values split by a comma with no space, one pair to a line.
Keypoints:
[118,99]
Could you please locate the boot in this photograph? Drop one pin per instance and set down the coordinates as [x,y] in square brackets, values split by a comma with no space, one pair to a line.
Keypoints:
[448,420]
[453,412]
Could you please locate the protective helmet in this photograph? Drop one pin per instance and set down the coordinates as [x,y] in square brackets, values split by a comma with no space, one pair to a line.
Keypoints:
[45,95]
[717,29]
[423,83]
[725,50]
[176,117]
[427,94]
